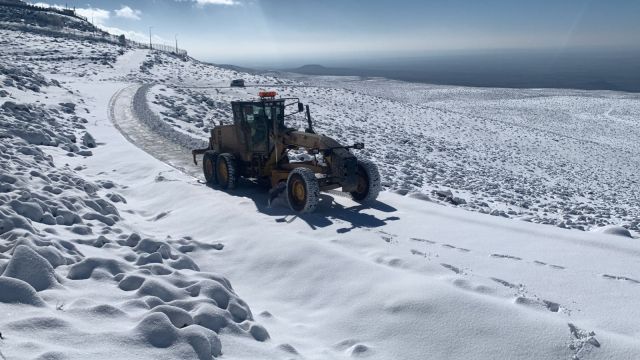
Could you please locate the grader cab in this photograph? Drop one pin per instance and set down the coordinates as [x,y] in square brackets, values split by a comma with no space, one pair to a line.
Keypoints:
[259,145]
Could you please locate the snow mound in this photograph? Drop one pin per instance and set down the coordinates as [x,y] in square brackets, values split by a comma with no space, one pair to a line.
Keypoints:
[60,224]
[204,342]
[157,330]
[17,291]
[613,230]
[9,220]
[28,266]
[86,268]
[210,317]
[57,253]
[179,317]
[259,333]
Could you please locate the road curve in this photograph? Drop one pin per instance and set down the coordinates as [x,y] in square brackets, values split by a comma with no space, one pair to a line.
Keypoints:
[130,114]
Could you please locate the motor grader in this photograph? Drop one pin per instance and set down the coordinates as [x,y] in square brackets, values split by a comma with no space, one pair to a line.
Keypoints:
[259,145]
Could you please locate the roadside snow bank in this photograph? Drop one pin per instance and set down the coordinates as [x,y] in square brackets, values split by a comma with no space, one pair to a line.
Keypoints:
[143,112]
[71,272]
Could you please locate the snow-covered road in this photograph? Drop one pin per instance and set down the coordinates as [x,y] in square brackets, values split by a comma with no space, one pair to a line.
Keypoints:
[402,278]
[122,113]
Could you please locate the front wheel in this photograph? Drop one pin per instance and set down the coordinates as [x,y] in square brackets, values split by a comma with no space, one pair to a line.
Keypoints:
[368,186]
[303,191]
[209,167]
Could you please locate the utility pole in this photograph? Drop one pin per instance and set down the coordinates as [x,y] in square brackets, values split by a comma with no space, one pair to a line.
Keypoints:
[176,44]
[150,43]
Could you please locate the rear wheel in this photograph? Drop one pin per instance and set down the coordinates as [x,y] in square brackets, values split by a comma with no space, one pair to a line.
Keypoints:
[226,171]
[368,186]
[209,167]
[303,191]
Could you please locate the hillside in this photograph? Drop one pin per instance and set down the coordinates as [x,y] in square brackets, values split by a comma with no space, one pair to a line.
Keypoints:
[109,237]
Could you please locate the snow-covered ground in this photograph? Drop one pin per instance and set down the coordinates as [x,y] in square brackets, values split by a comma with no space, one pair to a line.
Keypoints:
[561,157]
[111,246]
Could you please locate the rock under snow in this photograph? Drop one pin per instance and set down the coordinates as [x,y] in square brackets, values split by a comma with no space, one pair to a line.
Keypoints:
[88,140]
[17,291]
[614,230]
[157,330]
[28,266]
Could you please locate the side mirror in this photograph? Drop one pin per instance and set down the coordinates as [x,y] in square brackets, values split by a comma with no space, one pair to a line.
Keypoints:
[300,107]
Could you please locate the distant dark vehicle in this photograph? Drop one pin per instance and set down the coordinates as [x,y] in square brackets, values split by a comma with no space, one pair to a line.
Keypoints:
[237,83]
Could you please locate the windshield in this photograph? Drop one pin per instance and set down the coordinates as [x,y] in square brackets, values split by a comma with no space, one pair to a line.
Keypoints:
[275,111]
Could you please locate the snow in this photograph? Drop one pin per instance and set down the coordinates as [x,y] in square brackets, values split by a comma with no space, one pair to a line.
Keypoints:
[614,230]
[557,157]
[111,239]
[28,266]
[17,291]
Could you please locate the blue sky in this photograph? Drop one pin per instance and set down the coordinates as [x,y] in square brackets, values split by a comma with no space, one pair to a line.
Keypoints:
[302,31]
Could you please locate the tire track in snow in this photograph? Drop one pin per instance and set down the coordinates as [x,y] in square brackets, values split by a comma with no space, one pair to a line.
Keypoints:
[130,113]
[126,116]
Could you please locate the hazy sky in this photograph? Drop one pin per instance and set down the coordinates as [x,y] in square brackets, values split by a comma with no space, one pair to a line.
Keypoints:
[290,31]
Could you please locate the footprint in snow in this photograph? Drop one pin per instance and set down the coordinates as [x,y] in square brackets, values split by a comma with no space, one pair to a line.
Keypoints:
[622,278]
[537,303]
[455,248]
[506,283]
[505,256]
[542,263]
[581,341]
[452,268]
[423,240]
[387,237]
[481,289]
[417,252]
[523,299]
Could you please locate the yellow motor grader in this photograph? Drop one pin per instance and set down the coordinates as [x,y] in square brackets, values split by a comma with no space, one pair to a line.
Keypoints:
[258,145]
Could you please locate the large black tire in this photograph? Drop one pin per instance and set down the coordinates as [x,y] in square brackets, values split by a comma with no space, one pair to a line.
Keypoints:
[227,171]
[368,182]
[209,167]
[303,191]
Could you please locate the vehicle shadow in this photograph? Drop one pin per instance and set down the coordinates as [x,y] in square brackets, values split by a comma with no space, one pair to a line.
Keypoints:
[327,213]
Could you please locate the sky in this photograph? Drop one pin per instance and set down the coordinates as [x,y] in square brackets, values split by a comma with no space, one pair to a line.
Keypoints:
[270,32]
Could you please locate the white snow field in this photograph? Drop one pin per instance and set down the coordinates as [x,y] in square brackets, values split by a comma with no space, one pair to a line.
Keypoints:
[112,247]
[567,158]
